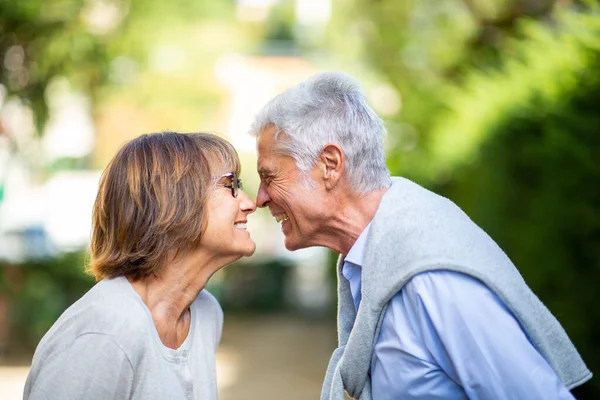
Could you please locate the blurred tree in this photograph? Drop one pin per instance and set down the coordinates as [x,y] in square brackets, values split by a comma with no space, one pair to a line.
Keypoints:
[423,48]
[518,152]
[78,39]
[495,21]
[41,40]
[126,53]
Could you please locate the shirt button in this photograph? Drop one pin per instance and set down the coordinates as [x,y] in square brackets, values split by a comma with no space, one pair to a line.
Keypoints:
[184,354]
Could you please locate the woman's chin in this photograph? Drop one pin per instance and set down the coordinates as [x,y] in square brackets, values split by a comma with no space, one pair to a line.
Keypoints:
[250,250]
[246,251]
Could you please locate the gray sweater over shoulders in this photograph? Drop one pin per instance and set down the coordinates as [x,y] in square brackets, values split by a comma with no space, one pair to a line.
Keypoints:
[413,231]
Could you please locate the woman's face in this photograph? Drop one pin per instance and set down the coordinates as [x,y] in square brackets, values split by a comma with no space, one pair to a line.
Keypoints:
[225,234]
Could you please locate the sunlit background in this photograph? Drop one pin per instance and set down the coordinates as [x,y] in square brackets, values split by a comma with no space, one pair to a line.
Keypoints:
[493,103]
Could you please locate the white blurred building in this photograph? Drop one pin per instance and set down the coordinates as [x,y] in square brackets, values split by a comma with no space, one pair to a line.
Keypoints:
[42,216]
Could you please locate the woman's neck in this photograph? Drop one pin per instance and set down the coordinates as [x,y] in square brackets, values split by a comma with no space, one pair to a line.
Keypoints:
[169,295]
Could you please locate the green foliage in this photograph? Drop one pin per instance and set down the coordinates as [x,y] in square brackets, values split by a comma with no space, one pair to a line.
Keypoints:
[539,79]
[251,286]
[280,24]
[423,48]
[519,150]
[41,40]
[37,293]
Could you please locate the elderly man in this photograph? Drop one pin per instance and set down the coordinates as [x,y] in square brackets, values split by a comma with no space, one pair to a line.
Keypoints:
[429,306]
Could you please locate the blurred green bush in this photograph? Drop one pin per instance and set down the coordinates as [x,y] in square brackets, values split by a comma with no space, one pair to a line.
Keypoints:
[36,293]
[519,151]
[253,285]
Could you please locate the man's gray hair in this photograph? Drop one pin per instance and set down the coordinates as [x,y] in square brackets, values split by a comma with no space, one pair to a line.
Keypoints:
[328,108]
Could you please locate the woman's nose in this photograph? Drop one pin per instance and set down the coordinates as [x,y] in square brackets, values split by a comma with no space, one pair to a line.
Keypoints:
[247,205]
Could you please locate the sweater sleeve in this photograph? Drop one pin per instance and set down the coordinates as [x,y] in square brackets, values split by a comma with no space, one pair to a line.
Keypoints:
[93,367]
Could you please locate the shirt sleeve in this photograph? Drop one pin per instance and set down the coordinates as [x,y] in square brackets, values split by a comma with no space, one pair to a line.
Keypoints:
[93,367]
[466,339]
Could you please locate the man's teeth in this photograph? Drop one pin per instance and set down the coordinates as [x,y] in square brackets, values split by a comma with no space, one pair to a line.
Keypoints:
[240,226]
[281,217]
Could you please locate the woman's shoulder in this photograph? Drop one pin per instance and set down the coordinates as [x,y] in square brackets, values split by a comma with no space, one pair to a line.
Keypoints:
[110,303]
[206,302]
[106,309]
[207,312]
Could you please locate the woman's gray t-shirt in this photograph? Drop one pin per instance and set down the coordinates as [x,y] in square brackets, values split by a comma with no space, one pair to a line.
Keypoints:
[105,346]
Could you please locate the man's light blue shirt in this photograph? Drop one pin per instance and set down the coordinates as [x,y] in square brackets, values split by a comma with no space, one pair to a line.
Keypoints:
[445,335]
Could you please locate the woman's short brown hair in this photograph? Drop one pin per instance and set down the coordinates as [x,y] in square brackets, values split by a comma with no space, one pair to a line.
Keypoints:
[151,200]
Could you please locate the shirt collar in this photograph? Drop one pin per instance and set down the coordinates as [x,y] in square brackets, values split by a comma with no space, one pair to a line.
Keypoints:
[357,251]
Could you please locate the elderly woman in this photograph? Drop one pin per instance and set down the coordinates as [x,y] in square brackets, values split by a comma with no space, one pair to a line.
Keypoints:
[169,213]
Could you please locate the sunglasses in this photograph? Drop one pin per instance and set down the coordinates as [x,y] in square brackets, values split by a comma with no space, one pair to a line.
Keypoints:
[235,185]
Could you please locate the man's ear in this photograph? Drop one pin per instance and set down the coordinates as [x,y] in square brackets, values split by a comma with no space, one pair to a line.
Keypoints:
[332,163]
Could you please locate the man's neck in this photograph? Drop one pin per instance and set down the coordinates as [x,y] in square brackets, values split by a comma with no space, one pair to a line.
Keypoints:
[352,217]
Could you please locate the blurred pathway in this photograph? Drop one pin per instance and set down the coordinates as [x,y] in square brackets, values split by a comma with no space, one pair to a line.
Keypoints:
[274,358]
[12,381]
[267,358]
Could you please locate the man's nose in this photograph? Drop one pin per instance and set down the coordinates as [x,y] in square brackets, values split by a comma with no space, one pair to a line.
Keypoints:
[262,197]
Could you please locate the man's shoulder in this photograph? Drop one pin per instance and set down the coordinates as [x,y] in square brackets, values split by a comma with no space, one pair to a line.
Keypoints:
[443,282]
[450,293]
[405,196]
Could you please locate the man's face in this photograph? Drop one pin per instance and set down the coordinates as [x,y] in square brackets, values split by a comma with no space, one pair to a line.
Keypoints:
[299,209]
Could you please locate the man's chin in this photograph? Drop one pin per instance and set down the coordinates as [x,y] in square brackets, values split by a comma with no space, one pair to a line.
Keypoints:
[293,245]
